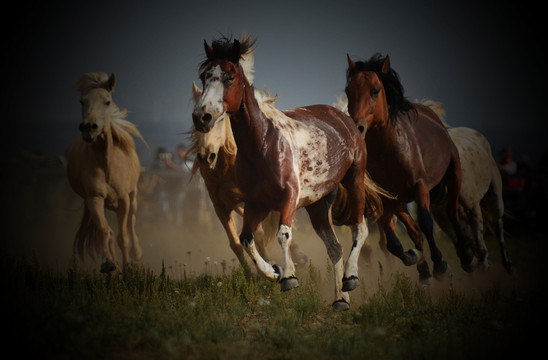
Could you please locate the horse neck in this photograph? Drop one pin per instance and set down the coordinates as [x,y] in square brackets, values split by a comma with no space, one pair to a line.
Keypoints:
[249,124]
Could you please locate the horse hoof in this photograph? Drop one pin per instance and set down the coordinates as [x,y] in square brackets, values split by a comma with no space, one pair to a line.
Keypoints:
[350,283]
[440,268]
[107,267]
[424,271]
[509,267]
[289,283]
[411,257]
[341,305]
[469,266]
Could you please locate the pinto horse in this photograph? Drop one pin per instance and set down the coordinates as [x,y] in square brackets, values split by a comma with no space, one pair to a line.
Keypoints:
[411,155]
[285,161]
[215,157]
[103,168]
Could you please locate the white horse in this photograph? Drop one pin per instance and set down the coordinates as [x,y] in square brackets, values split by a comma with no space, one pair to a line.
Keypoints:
[103,168]
[480,197]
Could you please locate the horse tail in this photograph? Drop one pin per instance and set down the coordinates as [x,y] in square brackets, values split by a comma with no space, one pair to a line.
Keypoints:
[87,236]
[373,201]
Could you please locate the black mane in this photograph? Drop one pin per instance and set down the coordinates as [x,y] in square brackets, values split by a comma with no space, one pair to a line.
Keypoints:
[223,49]
[391,81]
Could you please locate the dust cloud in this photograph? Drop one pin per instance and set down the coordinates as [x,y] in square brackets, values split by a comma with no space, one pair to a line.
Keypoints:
[42,215]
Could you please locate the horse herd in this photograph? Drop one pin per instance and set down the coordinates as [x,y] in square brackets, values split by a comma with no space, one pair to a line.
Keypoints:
[314,157]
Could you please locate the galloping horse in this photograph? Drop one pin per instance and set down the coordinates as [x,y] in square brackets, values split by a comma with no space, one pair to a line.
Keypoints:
[410,154]
[103,168]
[286,160]
[215,157]
[480,198]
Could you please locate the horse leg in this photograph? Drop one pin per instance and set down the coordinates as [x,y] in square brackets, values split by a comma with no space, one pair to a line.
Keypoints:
[136,252]
[393,244]
[123,239]
[226,219]
[383,245]
[452,181]
[320,217]
[495,208]
[414,233]
[96,206]
[285,238]
[476,224]
[359,234]
[253,216]
[426,224]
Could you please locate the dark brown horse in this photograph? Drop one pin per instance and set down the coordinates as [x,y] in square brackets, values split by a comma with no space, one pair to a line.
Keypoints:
[410,154]
[285,161]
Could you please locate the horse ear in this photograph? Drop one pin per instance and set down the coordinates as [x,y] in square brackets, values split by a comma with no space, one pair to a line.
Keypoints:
[111,83]
[236,51]
[196,92]
[208,50]
[386,64]
[351,63]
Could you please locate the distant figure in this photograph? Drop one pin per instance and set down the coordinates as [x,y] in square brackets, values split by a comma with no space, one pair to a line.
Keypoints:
[507,165]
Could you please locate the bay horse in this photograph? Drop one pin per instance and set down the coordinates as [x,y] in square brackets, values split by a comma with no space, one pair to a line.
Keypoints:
[215,158]
[103,168]
[285,161]
[480,197]
[411,155]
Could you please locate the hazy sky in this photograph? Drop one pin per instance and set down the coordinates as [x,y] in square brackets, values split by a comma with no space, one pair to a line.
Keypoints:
[481,60]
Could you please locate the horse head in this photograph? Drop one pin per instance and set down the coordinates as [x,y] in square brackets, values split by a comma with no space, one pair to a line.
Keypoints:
[365,91]
[223,80]
[97,105]
[208,145]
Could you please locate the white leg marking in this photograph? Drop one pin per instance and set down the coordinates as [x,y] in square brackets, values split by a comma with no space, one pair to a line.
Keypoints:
[359,234]
[285,238]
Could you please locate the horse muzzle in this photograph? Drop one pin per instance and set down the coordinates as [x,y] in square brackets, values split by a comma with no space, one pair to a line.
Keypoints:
[208,160]
[89,132]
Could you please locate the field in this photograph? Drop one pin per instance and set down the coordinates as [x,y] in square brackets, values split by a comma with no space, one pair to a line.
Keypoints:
[188,298]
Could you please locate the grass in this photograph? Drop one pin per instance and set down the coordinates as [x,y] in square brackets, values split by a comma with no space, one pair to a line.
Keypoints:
[141,315]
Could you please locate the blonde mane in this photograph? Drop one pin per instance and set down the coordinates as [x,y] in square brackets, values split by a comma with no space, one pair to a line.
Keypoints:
[120,128]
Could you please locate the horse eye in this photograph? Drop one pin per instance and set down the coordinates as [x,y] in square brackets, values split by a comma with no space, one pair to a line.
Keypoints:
[107,103]
[94,126]
[228,81]
[375,91]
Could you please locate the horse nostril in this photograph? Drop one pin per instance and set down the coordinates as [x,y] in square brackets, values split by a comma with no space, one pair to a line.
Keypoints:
[206,117]
[361,128]
[211,157]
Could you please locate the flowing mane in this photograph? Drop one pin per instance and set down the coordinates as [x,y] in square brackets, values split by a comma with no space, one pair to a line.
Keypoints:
[120,128]
[391,81]
[223,49]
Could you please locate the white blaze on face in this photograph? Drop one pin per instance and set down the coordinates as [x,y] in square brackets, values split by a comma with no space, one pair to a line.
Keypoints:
[212,98]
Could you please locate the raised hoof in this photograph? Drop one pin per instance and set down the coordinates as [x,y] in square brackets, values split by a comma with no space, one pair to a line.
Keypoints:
[440,270]
[107,267]
[341,305]
[410,257]
[289,283]
[350,283]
